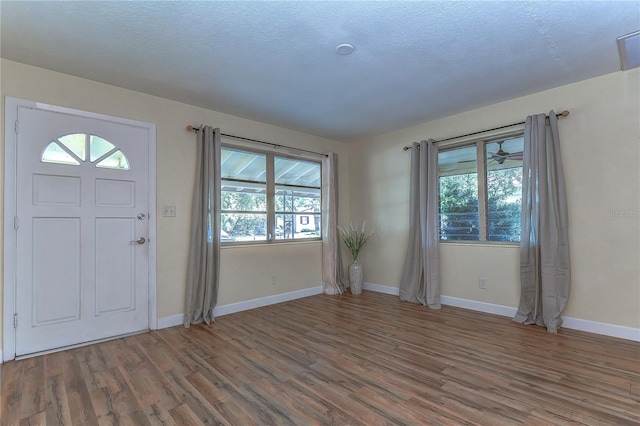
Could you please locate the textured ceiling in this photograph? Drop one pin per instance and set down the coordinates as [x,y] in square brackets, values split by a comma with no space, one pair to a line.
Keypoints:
[275,62]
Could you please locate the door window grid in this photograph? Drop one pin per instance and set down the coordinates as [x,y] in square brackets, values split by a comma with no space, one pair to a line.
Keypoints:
[72,149]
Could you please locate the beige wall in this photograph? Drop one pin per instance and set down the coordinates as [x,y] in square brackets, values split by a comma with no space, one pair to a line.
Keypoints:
[601,154]
[246,272]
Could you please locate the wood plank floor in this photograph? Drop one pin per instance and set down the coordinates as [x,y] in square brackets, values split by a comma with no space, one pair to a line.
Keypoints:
[334,360]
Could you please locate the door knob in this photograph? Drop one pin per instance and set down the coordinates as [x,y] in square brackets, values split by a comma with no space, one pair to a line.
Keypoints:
[140,240]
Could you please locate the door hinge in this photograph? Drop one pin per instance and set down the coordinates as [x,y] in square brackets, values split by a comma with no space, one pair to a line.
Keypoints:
[15,223]
[15,320]
[17,126]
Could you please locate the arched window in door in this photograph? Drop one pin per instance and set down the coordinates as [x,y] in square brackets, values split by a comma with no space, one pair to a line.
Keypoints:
[78,148]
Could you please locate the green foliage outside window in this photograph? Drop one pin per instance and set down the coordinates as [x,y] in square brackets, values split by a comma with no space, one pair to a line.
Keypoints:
[459,192]
[504,193]
[459,207]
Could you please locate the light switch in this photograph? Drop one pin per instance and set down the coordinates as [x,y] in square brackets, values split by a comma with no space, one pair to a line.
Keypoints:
[169,211]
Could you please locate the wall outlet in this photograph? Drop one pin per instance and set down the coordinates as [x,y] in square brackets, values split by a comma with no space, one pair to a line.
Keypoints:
[483,283]
[169,211]
[274,280]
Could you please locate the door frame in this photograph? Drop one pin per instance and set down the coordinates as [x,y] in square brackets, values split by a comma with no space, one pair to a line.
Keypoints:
[10,206]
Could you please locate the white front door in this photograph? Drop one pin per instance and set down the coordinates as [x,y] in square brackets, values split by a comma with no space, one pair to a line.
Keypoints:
[82,207]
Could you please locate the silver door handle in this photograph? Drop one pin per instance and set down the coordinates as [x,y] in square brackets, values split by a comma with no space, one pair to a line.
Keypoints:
[140,240]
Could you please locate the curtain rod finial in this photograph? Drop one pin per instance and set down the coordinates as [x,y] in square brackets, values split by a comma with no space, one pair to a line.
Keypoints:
[190,128]
[564,113]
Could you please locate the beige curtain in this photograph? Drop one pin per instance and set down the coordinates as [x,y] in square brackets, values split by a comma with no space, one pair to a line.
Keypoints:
[545,269]
[204,254]
[333,277]
[420,282]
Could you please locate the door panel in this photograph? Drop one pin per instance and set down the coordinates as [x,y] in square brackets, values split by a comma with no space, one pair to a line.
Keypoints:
[115,193]
[56,190]
[56,270]
[115,275]
[82,183]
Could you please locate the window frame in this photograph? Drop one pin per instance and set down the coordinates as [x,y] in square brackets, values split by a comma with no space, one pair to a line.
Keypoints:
[483,195]
[271,212]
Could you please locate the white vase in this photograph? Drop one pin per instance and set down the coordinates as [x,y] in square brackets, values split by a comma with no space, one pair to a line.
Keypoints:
[355,277]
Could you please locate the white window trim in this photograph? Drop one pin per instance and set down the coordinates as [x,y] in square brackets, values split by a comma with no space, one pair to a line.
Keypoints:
[483,201]
[270,184]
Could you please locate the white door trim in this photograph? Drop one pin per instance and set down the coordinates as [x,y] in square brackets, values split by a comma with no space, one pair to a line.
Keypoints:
[10,167]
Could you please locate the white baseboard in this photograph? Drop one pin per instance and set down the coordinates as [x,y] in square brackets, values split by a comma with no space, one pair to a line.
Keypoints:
[231,308]
[612,330]
[265,301]
[605,329]
[474,305]
[395,291]
[1,356]
[596,327]
[170,321]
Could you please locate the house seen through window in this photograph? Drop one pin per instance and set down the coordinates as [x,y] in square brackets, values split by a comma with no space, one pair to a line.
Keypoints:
[480,191]
[268,197]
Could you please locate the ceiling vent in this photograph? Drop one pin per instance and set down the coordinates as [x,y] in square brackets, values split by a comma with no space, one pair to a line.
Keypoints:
[629,48]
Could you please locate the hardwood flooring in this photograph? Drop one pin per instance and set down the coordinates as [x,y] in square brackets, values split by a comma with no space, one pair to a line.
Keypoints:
[334,360]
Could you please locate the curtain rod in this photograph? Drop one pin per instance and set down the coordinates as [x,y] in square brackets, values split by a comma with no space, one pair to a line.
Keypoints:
[191,128]
[564,113]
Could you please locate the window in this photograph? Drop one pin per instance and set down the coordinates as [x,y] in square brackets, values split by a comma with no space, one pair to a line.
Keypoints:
[480,191]
[72,150]
[244,195]
[267,197]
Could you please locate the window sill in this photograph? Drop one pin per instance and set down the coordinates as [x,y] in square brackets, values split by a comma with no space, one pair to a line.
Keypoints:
[267,244]
[481,243]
